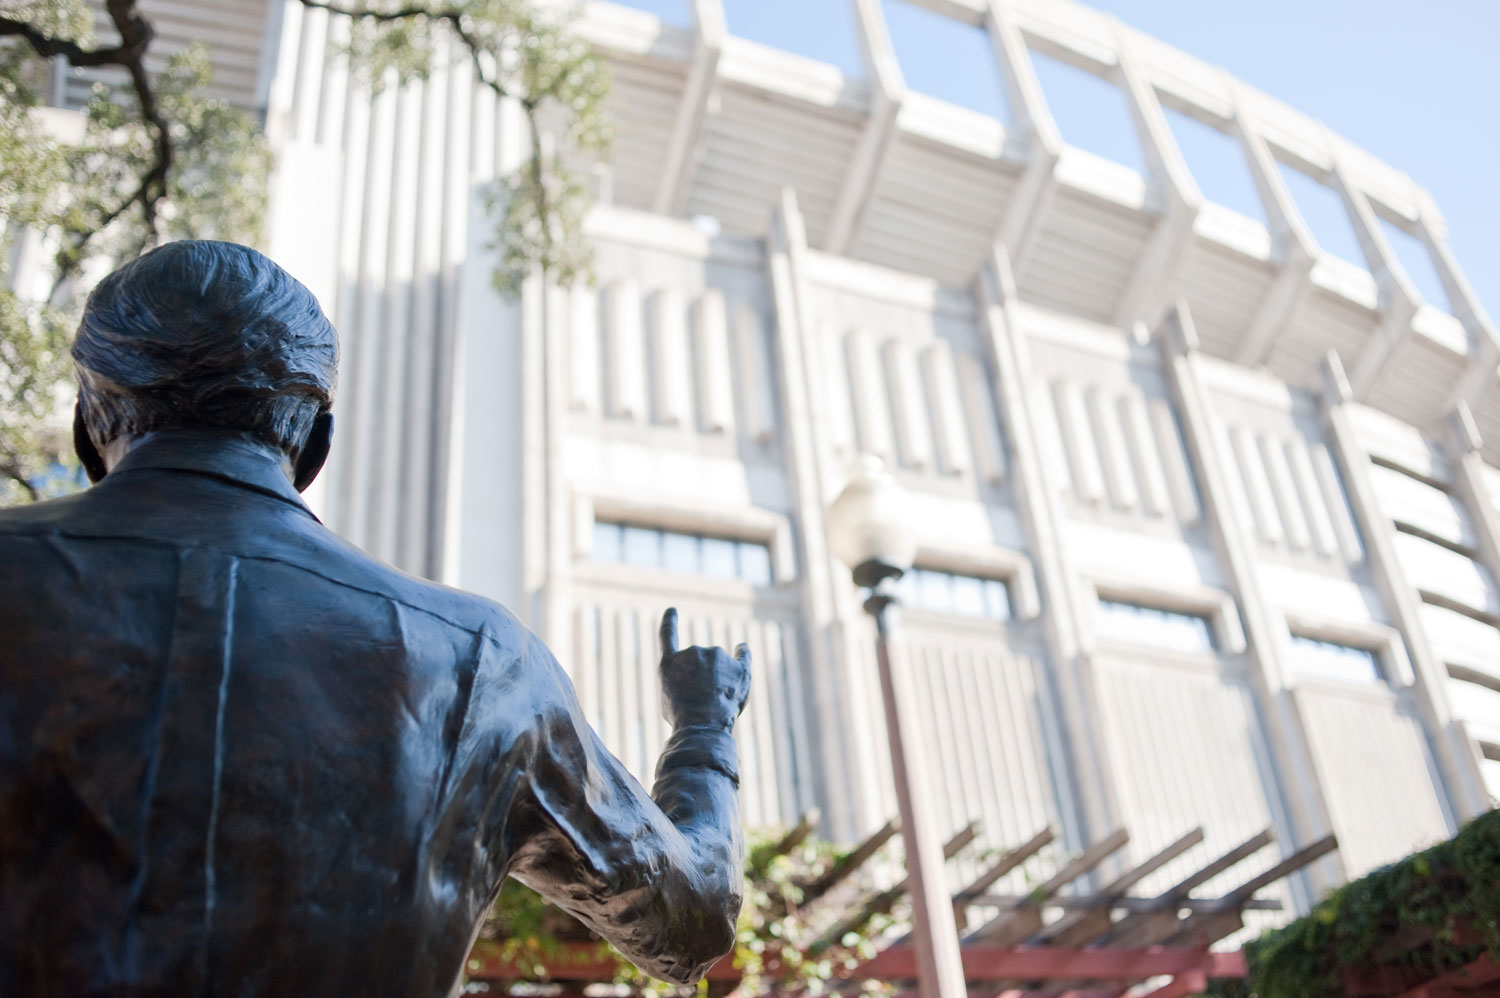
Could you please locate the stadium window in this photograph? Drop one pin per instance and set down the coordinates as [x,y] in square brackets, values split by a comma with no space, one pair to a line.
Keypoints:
[950,592]
[642,547]
[1218,164]
[718,557]
[679,551]
[608,543]
[1091,113]
[1416,259]
[1138,624]
[1330,660]
[946,59]
[1322,208]
[816,29]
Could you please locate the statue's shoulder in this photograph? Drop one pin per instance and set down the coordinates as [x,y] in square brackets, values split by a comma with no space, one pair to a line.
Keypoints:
[345,564]
[39,517]
[325,568]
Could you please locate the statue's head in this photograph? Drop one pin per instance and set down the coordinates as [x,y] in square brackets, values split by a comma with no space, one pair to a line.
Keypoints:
[202,335]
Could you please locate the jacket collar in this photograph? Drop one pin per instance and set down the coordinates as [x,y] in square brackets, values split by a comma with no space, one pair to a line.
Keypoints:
[230,457]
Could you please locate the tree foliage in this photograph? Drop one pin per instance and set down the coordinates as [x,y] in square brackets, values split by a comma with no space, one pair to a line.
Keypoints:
[523,51]
[157,159]
[1431,912]
[33,362]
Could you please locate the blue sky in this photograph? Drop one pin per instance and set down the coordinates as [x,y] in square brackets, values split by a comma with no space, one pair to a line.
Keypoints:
[1417,84]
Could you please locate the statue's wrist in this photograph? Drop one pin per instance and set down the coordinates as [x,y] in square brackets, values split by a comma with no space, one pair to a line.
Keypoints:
[703,746]
[709,718]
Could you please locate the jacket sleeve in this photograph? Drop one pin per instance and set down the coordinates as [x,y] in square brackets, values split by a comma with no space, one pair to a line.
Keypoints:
[658,875]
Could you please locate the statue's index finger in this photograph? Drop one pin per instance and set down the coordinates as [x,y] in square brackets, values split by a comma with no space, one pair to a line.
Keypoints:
[669,632]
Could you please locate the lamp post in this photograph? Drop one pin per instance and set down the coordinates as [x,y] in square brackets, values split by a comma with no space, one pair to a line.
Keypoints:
[868,529]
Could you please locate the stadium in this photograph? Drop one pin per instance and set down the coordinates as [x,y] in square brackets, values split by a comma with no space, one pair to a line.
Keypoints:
[1208,504]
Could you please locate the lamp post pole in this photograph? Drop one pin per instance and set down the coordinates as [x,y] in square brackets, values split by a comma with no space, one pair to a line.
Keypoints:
[869,529]
[939,963]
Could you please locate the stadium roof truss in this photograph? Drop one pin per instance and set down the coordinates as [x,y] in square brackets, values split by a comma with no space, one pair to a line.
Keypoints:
[716,125]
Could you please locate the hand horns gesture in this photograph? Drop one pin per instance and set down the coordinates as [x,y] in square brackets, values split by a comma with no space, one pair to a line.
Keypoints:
[701,686]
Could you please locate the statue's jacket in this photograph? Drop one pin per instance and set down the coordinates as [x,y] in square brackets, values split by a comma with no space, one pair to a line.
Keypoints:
[240,757]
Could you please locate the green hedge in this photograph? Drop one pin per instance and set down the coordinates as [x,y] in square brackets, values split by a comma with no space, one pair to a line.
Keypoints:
[1446,897]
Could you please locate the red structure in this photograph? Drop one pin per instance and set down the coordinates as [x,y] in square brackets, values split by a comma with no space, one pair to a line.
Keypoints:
[1190,968]
[1064,937]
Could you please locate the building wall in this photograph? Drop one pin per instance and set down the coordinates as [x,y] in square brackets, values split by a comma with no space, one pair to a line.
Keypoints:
[238,34]
[1292,453]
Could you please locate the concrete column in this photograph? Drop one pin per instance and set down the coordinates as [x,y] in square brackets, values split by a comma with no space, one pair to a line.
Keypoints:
[1463,448]
[1293,246]
[1457,766]
[1170,177]
[1469,484]
[556,513]
[494,518]
[808,450]
[1484,368]
[1089,805]
[1398,297]
[886,97]
[1301,810]
[1029,202]
[686,147]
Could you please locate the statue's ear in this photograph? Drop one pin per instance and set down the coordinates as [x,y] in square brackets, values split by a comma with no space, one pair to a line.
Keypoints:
[314,451]
[83,446]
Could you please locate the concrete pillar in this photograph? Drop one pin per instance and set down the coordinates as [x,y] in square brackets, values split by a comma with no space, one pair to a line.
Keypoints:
[1457,766]
[1301,811]
[1090,809]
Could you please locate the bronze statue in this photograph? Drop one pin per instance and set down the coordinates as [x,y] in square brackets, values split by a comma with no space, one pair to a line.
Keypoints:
[240,757]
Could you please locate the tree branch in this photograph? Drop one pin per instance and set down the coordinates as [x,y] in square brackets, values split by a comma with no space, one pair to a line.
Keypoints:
[77,55]
[537,166]
[13,471]
[452,15]
[136,35]
[136,31]
[400,13]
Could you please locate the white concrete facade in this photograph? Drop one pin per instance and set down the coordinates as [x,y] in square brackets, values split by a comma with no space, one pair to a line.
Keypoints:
[1101,388]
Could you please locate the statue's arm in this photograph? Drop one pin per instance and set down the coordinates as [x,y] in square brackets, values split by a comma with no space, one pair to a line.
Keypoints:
[658,875]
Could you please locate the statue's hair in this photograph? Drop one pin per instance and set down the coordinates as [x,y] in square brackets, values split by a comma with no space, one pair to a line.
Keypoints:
[204,335]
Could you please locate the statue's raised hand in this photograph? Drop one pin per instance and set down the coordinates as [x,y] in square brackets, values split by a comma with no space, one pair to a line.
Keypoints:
[701,686]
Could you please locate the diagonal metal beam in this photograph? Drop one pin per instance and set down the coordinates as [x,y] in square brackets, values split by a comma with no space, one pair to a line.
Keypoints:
[1079,927]
[883,902]
[856,858]
[1204,928]
[1158,923]
[1008,862]
[1296,861]
[1017,925]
